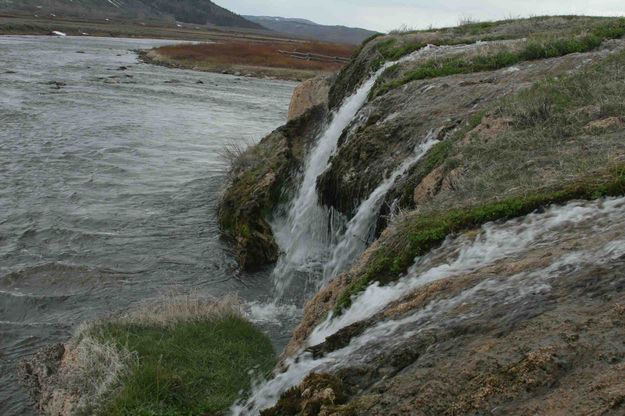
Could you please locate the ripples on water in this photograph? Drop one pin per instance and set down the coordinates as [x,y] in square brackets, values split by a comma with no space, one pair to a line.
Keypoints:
[108,185]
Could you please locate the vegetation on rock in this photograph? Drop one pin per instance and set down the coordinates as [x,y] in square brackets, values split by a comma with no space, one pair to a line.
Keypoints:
[180,355]
[418,234]
[553,113]
[536,47]
[260,178]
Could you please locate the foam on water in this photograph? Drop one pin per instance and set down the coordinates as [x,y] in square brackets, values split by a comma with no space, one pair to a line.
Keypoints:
[303,234]
[271,313]
[496,242]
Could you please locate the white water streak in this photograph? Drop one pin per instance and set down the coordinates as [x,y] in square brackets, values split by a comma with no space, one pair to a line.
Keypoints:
[361,227]
[496,241]
[303,235]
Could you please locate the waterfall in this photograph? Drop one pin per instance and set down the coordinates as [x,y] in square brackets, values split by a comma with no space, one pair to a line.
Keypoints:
[303,235]
[361,227]
[514,239]
[306,235]
[310,235]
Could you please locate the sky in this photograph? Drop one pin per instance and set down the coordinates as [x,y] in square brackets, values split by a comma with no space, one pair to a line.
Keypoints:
[385,15]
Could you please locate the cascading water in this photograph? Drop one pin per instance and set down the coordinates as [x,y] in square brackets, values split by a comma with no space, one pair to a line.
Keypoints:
[513,240]
[303,235]
[360,228]
[496,242]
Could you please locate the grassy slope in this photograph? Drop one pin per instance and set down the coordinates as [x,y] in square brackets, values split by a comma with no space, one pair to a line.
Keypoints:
[24,25]
[551,126]
[539,46]
[192,368]
[379,48]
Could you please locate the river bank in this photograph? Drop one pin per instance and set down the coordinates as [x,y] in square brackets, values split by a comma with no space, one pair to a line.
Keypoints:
[442,220]
[261,59]
[261,54]
[110,178]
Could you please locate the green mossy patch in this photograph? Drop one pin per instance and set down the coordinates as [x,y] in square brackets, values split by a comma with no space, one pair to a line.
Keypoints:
[420,233]
[377,50]
[190,368]
[260,180]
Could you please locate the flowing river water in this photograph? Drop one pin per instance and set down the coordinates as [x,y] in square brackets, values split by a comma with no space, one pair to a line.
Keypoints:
[109,179]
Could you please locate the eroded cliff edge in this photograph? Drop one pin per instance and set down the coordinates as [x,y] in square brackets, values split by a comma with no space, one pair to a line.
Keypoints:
[529,131]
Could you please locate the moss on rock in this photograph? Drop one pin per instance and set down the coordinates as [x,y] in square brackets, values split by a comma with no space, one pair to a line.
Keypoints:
[261,177]
[420,232]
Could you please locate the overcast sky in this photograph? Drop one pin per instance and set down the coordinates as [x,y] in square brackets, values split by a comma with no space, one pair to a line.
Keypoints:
[384,15]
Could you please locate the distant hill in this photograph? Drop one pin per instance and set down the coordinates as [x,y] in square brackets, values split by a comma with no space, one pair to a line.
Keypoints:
[190,11]
[310,30]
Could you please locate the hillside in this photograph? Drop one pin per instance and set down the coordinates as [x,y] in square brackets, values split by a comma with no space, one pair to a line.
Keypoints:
[461,209]
[190,11]
[306,29]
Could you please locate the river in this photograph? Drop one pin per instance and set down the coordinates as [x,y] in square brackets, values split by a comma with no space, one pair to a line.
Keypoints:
[110,171]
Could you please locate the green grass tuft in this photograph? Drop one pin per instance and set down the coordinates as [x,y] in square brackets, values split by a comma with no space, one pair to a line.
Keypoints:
[190,368]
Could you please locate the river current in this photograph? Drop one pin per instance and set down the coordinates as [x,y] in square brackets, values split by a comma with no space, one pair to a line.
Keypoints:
[110,171]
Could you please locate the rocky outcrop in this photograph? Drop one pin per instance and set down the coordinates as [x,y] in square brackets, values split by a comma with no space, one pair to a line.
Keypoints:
[260,178]
[309,94]
[385,134]
[401,119]
[406,330]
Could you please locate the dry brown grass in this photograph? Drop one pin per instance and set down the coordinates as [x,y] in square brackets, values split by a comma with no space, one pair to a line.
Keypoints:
[237,156]
[258,53]
[175,308]
[92,368]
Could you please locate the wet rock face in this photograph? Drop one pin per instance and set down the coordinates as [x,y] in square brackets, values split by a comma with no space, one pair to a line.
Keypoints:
[309,94]
[262,177]
[318,394]
[540,332]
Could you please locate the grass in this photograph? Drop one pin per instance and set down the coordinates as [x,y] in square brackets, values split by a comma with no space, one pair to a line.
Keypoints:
[548,136]
[553,106]
[536,161]
[179,356]
[97,368]
[193,368]
[533,49]
[249,55]
[420,233]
